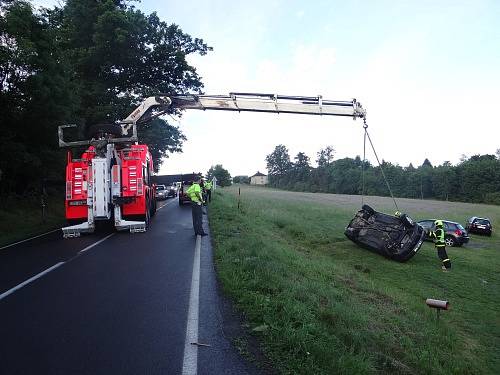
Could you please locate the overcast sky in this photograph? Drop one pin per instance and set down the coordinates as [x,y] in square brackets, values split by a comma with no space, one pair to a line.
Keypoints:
[426,71]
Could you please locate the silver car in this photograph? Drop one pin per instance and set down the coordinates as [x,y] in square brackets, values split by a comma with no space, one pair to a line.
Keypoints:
[161,192]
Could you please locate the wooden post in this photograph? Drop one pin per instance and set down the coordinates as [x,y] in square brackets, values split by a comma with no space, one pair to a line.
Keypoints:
[239,197]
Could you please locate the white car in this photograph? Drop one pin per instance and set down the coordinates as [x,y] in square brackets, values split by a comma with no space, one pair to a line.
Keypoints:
[161,192]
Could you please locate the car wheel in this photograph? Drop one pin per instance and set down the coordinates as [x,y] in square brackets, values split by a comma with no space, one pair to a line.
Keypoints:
[407,221]
[370,211]
[450,241]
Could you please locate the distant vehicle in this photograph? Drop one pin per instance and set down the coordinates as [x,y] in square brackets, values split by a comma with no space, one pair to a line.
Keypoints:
[480,225]
[454,233]
[172,191]
[395,237]
[161,192]
[187,181]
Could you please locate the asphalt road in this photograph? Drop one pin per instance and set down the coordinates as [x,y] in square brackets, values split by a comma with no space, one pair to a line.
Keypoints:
[115,303]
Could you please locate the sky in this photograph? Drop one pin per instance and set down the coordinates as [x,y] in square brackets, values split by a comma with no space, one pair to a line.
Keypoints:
[427,73]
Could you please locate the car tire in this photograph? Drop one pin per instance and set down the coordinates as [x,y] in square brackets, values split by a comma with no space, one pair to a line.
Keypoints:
[370,211]
[407,221]
[450,241]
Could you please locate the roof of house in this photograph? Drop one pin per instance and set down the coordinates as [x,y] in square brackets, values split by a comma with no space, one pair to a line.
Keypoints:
[258,174]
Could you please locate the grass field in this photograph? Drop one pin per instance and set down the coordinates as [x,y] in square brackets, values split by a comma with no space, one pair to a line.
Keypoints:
[321,305]
[21,218]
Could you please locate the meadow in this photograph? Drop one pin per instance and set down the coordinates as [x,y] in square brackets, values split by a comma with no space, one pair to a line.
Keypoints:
[319,304]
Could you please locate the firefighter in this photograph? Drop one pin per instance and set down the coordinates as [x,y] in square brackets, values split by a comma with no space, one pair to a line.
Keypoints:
[195,194]
[438,237]
[208,189]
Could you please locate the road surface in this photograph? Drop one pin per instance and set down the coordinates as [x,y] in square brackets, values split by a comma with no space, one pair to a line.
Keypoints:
[115,303]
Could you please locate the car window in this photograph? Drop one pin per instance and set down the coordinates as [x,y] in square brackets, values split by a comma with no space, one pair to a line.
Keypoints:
[426,223]
[459,226]
[160,187]
[449,226]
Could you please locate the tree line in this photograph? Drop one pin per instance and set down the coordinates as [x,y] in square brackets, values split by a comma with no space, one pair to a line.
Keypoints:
[474,179]
[83,62]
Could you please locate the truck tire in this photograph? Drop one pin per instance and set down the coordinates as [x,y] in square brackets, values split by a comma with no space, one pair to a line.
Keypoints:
[97,129]
[147,217]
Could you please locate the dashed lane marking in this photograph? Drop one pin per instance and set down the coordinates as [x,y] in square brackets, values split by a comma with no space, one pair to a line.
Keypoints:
[37,276]
[96,243]
[12,290]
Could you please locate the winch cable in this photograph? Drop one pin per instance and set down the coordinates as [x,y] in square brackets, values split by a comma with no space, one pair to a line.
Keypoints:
[366,135]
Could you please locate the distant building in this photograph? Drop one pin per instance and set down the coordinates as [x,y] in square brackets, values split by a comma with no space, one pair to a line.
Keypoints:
[258,179]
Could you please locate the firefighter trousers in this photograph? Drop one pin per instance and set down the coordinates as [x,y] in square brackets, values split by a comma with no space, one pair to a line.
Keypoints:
[197,213]
[441,250]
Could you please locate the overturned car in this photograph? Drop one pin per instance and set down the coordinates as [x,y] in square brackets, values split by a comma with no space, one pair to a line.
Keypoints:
[395,237]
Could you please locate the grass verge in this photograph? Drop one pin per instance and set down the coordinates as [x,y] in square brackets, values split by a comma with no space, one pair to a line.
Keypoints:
[21,218]
[321,305]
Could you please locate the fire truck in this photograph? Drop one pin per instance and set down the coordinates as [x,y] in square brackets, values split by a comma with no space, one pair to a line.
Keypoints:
[111,180]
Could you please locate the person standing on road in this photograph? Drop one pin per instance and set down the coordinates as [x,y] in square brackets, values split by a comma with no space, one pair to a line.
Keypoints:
[194,193]
[438,237]
[208,189]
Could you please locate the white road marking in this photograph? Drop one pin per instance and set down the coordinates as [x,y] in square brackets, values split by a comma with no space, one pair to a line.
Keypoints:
[31,279]
[190,362]
[96,243]
[31,238]
[10,291]
[166,204]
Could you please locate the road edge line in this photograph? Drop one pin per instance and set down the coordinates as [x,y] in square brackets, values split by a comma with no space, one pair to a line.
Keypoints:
[190,360]
[31,279]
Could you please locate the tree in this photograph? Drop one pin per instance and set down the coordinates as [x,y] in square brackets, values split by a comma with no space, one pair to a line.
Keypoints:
[278,162]
[241,180]
[325,156]
[84,62]
[222,175]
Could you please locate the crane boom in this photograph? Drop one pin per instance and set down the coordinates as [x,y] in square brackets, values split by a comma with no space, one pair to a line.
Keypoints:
[253,102]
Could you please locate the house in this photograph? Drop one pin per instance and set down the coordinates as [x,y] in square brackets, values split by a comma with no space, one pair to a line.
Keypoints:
[258,179]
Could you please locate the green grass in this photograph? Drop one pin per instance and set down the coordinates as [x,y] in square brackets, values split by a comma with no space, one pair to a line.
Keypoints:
[321,305]
[21,218]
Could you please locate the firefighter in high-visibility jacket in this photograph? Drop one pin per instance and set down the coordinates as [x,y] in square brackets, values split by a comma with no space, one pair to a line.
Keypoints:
[438,237]
[208,190]
[195,194]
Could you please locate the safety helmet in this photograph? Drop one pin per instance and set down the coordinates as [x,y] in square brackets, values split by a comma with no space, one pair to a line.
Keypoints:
[438,223]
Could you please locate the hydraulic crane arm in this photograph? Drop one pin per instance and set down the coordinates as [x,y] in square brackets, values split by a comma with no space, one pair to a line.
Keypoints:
[252,102]
[241,102]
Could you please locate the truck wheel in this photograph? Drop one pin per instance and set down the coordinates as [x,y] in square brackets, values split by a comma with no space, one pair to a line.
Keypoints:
[147,215]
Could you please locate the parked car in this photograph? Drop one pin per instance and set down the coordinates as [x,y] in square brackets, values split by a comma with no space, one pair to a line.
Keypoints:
[161,192]
[480,225]
[395,237]
[183,197]
[454,233]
